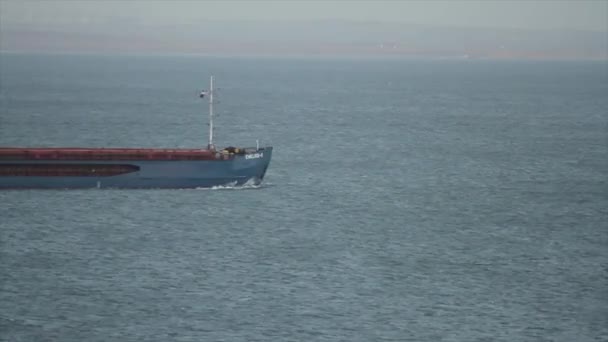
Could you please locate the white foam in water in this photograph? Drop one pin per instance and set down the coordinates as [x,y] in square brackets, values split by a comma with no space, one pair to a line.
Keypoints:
[249,184]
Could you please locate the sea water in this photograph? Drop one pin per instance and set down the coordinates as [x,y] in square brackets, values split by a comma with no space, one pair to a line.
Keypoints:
[406,200]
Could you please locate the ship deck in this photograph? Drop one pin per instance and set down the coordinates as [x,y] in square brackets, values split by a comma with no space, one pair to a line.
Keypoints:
[50,153]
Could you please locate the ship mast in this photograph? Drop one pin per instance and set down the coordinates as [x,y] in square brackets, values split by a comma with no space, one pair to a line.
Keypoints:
[211,146]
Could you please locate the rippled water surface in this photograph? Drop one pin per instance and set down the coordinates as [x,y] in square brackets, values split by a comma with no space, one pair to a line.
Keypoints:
[406,200]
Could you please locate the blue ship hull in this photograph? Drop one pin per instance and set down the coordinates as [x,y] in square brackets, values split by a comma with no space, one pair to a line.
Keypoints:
[180,174]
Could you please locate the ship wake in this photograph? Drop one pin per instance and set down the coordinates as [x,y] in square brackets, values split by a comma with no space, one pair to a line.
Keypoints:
[249,184]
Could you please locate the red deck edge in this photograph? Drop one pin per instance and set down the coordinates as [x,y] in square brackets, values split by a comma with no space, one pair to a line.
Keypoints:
[17,153]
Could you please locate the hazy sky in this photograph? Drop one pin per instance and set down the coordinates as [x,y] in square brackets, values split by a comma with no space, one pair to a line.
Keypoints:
[434,28]
[528,14]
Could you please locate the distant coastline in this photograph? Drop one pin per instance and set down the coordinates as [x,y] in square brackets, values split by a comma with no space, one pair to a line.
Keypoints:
[323,39]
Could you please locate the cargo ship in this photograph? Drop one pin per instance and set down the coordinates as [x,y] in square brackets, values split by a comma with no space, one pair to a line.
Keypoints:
[70,168]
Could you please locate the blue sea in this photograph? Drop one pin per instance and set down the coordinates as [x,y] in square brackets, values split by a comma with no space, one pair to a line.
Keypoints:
[407,200]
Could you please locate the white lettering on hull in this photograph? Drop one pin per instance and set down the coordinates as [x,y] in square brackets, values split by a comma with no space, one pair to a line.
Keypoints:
[254,155]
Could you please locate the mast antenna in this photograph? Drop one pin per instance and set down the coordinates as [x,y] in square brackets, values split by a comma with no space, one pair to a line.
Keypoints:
[211,146]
